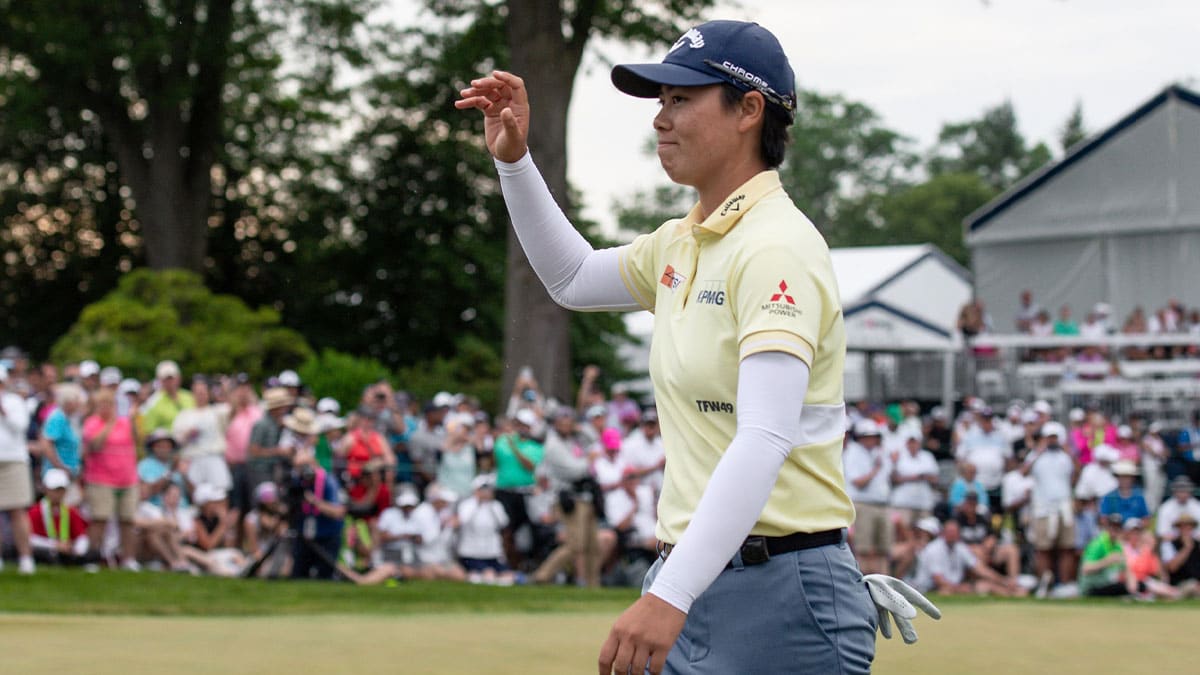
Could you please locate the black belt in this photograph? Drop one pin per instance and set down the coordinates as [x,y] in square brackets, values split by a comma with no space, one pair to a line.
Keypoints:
[757,550]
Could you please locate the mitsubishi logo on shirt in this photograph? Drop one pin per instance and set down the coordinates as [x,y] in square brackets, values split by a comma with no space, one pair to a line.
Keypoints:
[782,294]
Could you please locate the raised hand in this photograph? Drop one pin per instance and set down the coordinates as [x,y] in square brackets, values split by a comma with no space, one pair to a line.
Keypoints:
[504,101]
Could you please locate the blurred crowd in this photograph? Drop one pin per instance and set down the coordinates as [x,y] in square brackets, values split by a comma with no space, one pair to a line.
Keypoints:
[1172,318]
[216,474]
[1016,502]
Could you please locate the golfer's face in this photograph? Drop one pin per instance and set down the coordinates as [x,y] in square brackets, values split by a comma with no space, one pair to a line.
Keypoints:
[696,134]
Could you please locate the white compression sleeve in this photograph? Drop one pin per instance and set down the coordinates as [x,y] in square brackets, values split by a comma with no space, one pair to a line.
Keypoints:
[771,389]
[575,275]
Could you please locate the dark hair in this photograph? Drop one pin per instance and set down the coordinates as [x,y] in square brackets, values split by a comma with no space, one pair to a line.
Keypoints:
[773,142]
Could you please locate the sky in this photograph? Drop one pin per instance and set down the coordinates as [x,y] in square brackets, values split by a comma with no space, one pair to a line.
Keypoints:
[917,63]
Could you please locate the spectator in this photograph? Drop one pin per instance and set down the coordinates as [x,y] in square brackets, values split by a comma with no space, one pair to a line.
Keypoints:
[867,472]
[265,454]
[517,455]
[1097,479]
[299,432]
[1146,578]
[1041,326]
[975,530]
[160,534]
[364,444]
[322,514]
[597,421]
[1126,500]
[212,525]
[1181,556]
[60,432]
[1016,494]
[987,448]
[331,429]
[160,468]
[263,526]
[243,415]
[425,443]
[939,436]
[566,466]
[110,475]
[437,553]
[89,376]
[643,450]
[630,511]
[526,395]
[16,490]
[1027,312]
[403,529]
[1182,501]
[1031,430]
[914,476]
[1102,571]
[161,408]
[1053,471]
[480,544]
[58,533]
[965,483]
[973,319]
[1065,324]
[953,570]
[456,461]
[200,433]
[1154,459]
[1127,447]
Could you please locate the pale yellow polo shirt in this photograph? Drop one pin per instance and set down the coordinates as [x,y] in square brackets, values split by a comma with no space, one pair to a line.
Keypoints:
[755,276]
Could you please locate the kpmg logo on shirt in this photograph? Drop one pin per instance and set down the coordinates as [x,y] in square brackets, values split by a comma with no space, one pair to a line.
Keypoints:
[711,293]
[782,303]
[671,279]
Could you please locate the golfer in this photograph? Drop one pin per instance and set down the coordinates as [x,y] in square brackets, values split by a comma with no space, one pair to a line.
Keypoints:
[754,574]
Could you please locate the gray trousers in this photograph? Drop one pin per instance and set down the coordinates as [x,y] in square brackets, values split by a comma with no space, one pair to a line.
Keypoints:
[801,612]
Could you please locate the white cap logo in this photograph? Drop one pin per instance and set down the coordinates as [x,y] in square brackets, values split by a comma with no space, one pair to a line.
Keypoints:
[693,37]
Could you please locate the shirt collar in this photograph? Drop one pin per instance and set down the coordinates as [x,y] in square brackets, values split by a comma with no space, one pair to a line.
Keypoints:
[741,200]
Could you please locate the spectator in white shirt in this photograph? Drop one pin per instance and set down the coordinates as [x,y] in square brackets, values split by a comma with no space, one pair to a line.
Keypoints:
[609,467]
[1097,479]
[914,475]
[989,450]
[403,529]
[630,509]
[480,546]
[1182,501]
[868,484]
[1053,471]
[1154,458]
[953,570]
[200,432]
[16,488]
[643,450]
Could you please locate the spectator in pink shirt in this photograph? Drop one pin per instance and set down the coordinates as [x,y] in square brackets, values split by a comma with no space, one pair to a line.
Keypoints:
[242,418]
[1126,445]
[110,473]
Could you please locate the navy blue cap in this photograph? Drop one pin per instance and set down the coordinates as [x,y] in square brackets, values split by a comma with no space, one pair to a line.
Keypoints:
[745,55]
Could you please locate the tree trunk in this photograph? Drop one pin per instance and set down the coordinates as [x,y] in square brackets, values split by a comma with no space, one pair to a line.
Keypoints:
[536,330]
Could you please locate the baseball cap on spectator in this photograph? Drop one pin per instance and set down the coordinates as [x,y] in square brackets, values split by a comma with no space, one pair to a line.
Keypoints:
[129,386]
[329,422]
[563,411]
[276,397]
[407,498]
[329,405]
[1134,523]
[596,411]
[289,378]
[1043,407]
[938,413]
[110,376]
[1054,429]
[1124,431]
[483,480]
[651,415]
[866,427]
[442,494]
[1014,412]
[89,368]
[1182,483]
[930,524]
[742,54]
[913,435]
[526,416]
[55,479]
[205,493]
[1029,417]
[611,439]
[1106,453]
[1112,519]
[1076,415]
[160,435]
[619,388]
[1125,468]
[443,399]
[166,369]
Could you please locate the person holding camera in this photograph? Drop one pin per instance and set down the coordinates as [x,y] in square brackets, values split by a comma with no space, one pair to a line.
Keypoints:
[320,518]
[481,519]
[567,465]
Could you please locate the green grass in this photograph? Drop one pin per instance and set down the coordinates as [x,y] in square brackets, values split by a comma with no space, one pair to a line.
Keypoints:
[58,591]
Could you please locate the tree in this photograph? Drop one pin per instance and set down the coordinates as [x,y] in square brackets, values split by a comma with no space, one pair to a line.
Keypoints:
[158,81]
[152,316]
[545,44]
[1073,130]
[991,147]
[932,212]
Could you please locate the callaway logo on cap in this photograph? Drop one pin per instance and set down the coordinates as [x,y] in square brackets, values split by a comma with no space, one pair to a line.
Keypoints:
[745,55]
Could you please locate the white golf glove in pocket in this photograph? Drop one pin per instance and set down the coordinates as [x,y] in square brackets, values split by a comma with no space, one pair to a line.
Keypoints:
[897,599]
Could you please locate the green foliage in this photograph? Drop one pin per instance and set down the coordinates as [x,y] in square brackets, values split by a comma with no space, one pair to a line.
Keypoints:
[933,212]
[1073,130]
[992,147]
[171,315]
[341,376]
[474,370]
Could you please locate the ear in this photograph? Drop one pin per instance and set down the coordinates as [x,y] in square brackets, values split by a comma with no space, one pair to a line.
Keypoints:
[752,109]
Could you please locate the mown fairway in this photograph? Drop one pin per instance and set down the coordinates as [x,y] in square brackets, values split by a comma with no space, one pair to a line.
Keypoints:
[203,627]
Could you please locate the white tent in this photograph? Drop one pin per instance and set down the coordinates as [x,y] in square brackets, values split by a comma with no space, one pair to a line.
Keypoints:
[900,298]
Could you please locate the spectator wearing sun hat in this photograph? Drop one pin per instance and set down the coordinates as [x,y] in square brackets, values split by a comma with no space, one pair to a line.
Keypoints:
[1181,556]
[160,409]
[265,454]
[1127,500]
[1183,500]
[160,467]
